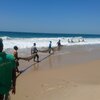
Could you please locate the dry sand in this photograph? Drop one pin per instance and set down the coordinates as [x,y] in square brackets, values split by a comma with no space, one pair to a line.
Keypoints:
[61,76]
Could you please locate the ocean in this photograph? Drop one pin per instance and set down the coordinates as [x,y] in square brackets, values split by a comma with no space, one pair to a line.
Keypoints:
[26,39]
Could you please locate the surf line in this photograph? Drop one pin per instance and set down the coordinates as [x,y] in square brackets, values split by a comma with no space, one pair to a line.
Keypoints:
[34,64]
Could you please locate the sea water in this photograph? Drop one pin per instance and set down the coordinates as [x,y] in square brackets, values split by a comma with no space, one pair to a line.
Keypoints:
[26,39]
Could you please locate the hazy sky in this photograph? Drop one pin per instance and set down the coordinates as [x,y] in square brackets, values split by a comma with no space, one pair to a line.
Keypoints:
[68,16]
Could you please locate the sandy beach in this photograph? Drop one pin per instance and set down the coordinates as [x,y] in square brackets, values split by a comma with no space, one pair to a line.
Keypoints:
[73,73]
[28,27]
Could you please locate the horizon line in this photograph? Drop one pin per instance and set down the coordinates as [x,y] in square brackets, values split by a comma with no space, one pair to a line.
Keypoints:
[49,32]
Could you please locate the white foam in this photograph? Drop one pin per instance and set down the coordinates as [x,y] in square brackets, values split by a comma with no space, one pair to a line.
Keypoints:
[44,42]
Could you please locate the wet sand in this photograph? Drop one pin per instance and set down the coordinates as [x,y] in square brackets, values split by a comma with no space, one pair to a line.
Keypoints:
[73,73]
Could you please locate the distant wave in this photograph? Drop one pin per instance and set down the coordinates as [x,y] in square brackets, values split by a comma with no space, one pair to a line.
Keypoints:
[44,42]
[6,38]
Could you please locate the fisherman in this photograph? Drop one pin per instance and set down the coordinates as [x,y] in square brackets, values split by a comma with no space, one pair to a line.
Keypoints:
[7,73]
[34,50]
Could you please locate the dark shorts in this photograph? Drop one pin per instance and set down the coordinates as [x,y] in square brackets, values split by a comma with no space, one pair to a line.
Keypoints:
[17,63]
[1,97]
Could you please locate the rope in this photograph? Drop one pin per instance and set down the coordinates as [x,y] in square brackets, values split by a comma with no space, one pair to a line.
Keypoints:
[33,64]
